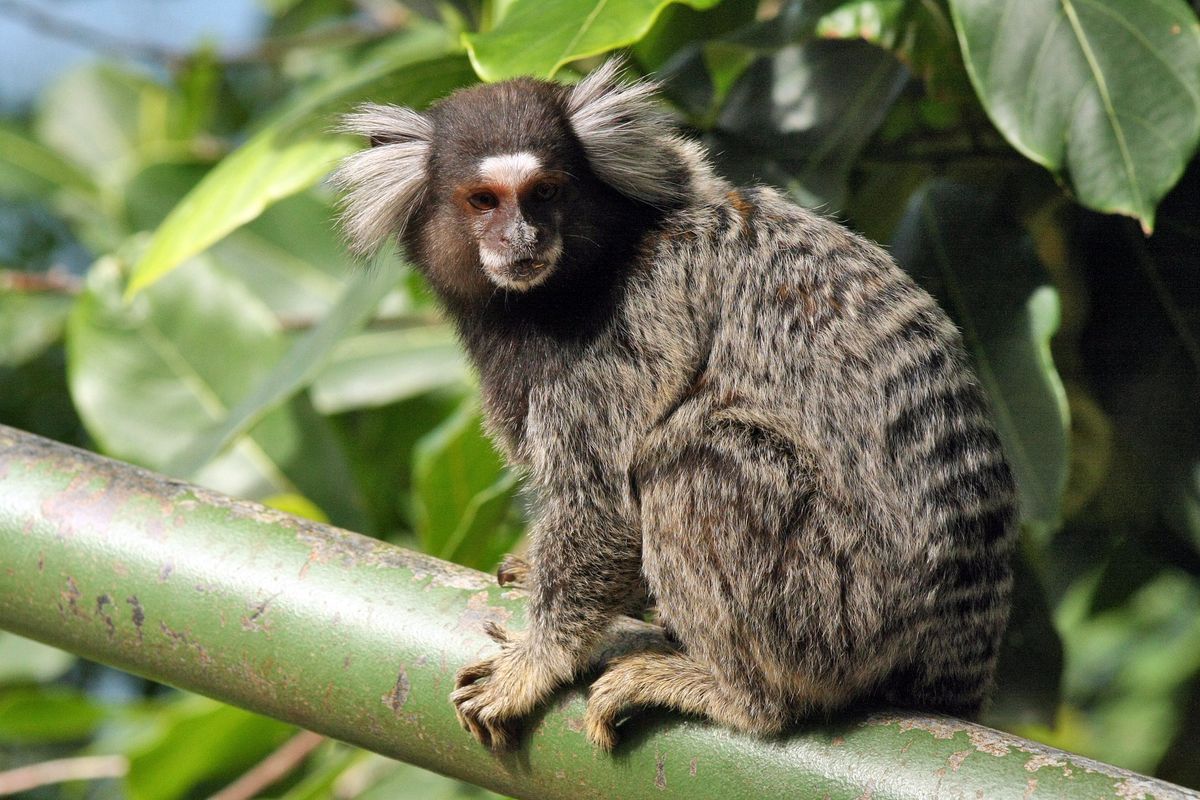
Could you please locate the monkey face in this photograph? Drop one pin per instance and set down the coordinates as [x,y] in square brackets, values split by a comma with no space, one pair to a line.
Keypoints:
[514,209]
[523,185]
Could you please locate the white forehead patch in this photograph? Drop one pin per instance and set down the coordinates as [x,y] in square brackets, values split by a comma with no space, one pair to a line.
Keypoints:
[511,169]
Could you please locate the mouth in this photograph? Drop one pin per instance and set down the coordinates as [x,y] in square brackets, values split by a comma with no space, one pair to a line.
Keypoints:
[520,274]
[525,269]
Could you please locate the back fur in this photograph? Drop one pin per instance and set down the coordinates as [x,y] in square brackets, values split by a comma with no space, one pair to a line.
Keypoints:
[726,403]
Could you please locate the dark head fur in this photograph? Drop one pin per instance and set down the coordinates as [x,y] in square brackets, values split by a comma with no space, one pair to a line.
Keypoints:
[525,186]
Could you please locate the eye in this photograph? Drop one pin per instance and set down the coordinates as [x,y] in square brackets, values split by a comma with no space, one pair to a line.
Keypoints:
[545,191]
[483,201]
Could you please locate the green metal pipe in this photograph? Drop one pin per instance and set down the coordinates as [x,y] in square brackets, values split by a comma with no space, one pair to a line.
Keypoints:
[357,639]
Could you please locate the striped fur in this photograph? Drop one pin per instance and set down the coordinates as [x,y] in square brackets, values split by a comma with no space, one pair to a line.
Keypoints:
[740,410]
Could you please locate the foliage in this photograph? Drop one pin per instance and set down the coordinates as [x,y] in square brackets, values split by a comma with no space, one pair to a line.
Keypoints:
[168,257]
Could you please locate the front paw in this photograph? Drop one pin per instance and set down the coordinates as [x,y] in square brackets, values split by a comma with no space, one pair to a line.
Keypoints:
[513,571]
[480,706]
[493,694]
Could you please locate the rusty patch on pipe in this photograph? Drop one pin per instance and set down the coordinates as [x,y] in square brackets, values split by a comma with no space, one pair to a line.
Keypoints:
[88,502]
[256,621]
[1127,786]
[185,640]
[103,602]
[660,770]
[478,613]
[71,596]
[398,696]
[956,759]
[137,614]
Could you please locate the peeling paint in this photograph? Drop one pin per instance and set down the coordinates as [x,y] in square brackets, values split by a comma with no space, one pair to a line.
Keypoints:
[1127,786]
[256,620]
[72,596]
[398,696]
[1037,762]
[479,611]
[103,602]
[137,614]
[660,771]
[1136,788]
[957,758]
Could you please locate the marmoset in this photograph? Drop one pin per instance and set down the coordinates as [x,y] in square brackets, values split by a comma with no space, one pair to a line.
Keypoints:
[725,403]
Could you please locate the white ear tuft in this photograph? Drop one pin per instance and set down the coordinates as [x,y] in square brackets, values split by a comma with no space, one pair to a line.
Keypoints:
[384,184]
[628,141]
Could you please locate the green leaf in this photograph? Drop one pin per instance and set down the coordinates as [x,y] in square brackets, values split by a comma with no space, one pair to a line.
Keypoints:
[30,322]
[48,714]
[981,267]
[292,372]
[274,164]
[397,780]
[381,367]
[379,444]
[202,744]
[538,38]
[333,760]
[26,661]
[1107,91]
[292,258]
[680,27]
[460,494]
[1129,665]
[920,34]
[295,150]
[149,376]
[108,122]
[486,530]
[799,118]
[30,168]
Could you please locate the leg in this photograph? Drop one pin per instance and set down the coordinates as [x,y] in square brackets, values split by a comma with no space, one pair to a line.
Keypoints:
[514,571]
[673,681]
[582,570]
[754,567]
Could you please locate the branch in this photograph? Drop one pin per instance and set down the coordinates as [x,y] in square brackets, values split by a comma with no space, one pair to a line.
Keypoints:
[53,282]
[359,640]
[272,768]
[63,770]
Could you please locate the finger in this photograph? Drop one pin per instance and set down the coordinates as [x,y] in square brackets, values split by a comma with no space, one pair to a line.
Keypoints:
[498,634]
[503,736]
[472,673]
[465,694]
[479,732]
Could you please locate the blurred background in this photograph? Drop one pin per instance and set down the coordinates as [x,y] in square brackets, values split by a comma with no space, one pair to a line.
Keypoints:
[173,293]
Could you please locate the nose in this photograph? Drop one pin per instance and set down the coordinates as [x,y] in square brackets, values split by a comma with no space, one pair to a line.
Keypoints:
[519,234]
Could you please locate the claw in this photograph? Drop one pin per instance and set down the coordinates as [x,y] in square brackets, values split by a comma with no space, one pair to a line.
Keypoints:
[601,733]
[513,571]
[469,674]
[497,634]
